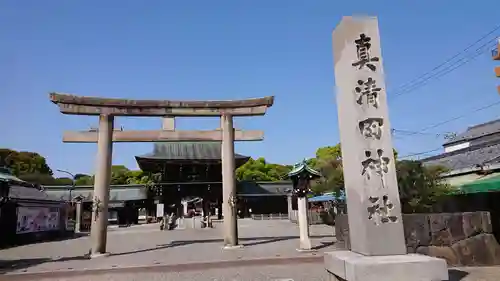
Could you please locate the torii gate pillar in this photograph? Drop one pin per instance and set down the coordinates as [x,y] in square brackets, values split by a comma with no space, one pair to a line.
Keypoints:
[229,199]
[99,228]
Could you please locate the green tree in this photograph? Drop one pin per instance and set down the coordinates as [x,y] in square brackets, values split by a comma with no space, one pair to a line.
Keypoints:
[332,179]
[78,176]
[33,168]
[119,174]
[420,187]
[38,178]
[260,170]
[24,162]
[84,180]
[328,161]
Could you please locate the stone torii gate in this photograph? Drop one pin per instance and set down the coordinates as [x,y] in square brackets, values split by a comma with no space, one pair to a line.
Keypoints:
[107,109]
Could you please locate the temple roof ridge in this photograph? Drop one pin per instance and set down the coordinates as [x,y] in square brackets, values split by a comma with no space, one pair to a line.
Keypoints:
[301,167]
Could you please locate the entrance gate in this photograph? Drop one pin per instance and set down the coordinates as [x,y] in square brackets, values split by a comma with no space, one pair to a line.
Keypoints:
[105,135]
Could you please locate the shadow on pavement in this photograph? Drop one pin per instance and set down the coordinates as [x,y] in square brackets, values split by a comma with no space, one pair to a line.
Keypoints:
[46,240]
[457,275]
[252,242]
[11,265]
[323,245]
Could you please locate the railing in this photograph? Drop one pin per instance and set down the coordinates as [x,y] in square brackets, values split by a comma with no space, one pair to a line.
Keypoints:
[313,217]
[279,216]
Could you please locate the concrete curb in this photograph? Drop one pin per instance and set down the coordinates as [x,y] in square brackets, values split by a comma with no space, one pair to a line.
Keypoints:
[25,276]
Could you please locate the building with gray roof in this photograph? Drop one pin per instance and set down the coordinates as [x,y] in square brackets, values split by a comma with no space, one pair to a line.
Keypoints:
[471,155]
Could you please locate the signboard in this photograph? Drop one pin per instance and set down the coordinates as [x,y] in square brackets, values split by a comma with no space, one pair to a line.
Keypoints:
[70,225]
[116,205]
[37,219]
[159,210]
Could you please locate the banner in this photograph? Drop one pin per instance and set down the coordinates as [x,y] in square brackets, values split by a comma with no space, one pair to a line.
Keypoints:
[37,219]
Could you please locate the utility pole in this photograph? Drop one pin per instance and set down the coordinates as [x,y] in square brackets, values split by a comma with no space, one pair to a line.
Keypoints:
[496,56]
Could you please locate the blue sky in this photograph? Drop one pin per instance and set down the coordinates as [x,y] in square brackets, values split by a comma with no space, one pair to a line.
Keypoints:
[230,50]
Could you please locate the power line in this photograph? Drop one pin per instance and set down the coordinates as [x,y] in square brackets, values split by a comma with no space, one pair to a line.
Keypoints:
[449,59]
[460,116]
[454,56]
[407,132]
[450,68]
[453,119]
[419,153]
[439,124]
[424,78]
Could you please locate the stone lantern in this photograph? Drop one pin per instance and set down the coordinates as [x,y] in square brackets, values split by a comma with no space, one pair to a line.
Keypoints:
[301,176]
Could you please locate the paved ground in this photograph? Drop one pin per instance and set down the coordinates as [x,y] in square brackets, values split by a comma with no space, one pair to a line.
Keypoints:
[297,272]
[302,272]
[148,246]
[145,253]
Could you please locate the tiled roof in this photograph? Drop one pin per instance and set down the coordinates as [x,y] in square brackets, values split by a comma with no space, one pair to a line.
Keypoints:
[122,193]
[18,191]
[30,193]
[301,167]
[261,188]
[477,131]
[9,177]
[187,151]
[486,153]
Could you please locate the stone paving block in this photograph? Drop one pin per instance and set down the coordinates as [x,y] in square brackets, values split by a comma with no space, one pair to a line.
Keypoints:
[151,246]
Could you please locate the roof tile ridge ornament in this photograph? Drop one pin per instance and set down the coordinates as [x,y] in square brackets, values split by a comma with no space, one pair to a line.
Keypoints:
[302,167]
[301,176]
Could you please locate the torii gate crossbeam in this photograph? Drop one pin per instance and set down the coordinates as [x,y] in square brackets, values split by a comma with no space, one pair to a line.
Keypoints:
[107,109]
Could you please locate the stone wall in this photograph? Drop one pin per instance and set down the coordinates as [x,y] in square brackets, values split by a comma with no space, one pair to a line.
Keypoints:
[462,239]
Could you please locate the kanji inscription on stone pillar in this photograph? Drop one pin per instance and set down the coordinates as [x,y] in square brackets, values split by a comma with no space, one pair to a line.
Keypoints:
[374,210]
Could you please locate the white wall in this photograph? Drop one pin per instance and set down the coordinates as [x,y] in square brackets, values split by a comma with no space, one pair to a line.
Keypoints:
[456,147]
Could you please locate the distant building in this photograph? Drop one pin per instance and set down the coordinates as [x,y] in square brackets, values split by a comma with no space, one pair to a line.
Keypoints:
[471,155]
[188,170]
[28,214]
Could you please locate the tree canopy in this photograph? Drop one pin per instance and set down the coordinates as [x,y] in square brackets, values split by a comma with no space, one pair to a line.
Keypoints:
[33,168]
[23,162]
[260,170]
[419,186]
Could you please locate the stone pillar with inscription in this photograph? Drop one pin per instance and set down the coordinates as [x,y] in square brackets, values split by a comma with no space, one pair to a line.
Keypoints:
[378,250]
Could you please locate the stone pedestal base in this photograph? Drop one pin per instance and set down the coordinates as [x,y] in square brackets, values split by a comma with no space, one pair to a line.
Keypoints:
[306,250]
[350,266]
[305,244]
[229,247]
[99,255]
